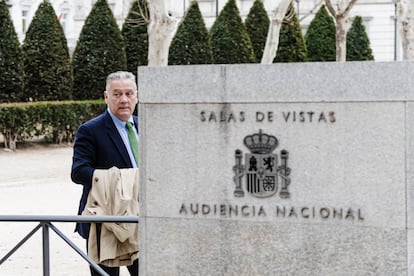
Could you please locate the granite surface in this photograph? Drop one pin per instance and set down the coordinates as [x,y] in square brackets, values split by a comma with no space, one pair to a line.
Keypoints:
[347,129]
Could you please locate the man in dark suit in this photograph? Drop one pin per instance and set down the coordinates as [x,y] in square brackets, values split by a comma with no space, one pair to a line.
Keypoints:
[102,143]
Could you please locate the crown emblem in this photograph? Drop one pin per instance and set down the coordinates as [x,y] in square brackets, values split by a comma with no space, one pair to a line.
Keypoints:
[261,143]
[263,171]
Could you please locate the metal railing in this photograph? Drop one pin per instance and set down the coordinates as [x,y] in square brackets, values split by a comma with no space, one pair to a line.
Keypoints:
[45,223]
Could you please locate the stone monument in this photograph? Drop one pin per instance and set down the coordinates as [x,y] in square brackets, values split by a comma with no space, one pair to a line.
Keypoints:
[283,169]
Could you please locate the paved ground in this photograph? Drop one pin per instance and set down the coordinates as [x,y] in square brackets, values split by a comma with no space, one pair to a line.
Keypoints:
[35,180]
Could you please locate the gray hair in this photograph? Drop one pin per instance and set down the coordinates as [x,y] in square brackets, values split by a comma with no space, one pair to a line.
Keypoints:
[120,75]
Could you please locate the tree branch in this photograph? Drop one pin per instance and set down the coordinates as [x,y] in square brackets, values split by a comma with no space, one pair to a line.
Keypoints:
[312,11]
[330,7]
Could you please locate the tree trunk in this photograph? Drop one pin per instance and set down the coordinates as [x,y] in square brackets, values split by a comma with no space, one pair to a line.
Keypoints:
[10,140]
[406,25]
[160,33]
[340,38]
[340,14]
[272,40]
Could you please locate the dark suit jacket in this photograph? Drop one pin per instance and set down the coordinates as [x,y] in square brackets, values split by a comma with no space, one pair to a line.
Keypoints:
[98,145]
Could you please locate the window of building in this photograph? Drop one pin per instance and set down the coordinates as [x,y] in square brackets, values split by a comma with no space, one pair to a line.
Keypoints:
[25,19]
[64,15]
[208,7]
[63,18]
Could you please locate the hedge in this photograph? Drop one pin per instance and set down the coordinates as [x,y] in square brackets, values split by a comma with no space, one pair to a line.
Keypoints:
[56,122]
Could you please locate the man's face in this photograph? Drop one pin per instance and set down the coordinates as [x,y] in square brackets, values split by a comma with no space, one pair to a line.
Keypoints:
[121,98]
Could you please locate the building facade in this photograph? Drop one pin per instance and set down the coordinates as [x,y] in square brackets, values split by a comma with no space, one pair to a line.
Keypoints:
[379,17]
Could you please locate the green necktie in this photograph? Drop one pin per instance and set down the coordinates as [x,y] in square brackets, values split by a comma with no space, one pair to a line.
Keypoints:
[133,142]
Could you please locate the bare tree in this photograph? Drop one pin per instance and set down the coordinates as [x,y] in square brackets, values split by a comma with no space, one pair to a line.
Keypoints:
[406,26]
[312,10]
[272,40]
[340,10]
[160,31]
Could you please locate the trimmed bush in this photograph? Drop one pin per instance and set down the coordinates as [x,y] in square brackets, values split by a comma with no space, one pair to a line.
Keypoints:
[100,50]
[292,46]
[55,121]
[11,58]
[229,39]
[191,43]
[320,37]
[257,26]
[135,33]
[46,62]
[357,42]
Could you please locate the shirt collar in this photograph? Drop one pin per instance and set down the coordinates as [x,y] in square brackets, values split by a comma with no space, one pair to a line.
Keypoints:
[119,122]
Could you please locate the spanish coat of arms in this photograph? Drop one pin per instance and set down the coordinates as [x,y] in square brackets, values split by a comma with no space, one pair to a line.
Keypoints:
[261,170]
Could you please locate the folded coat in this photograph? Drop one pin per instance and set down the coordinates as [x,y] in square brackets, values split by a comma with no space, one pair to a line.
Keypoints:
[114,192]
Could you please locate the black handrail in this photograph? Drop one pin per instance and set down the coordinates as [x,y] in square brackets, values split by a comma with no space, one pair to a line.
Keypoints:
[45,222]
